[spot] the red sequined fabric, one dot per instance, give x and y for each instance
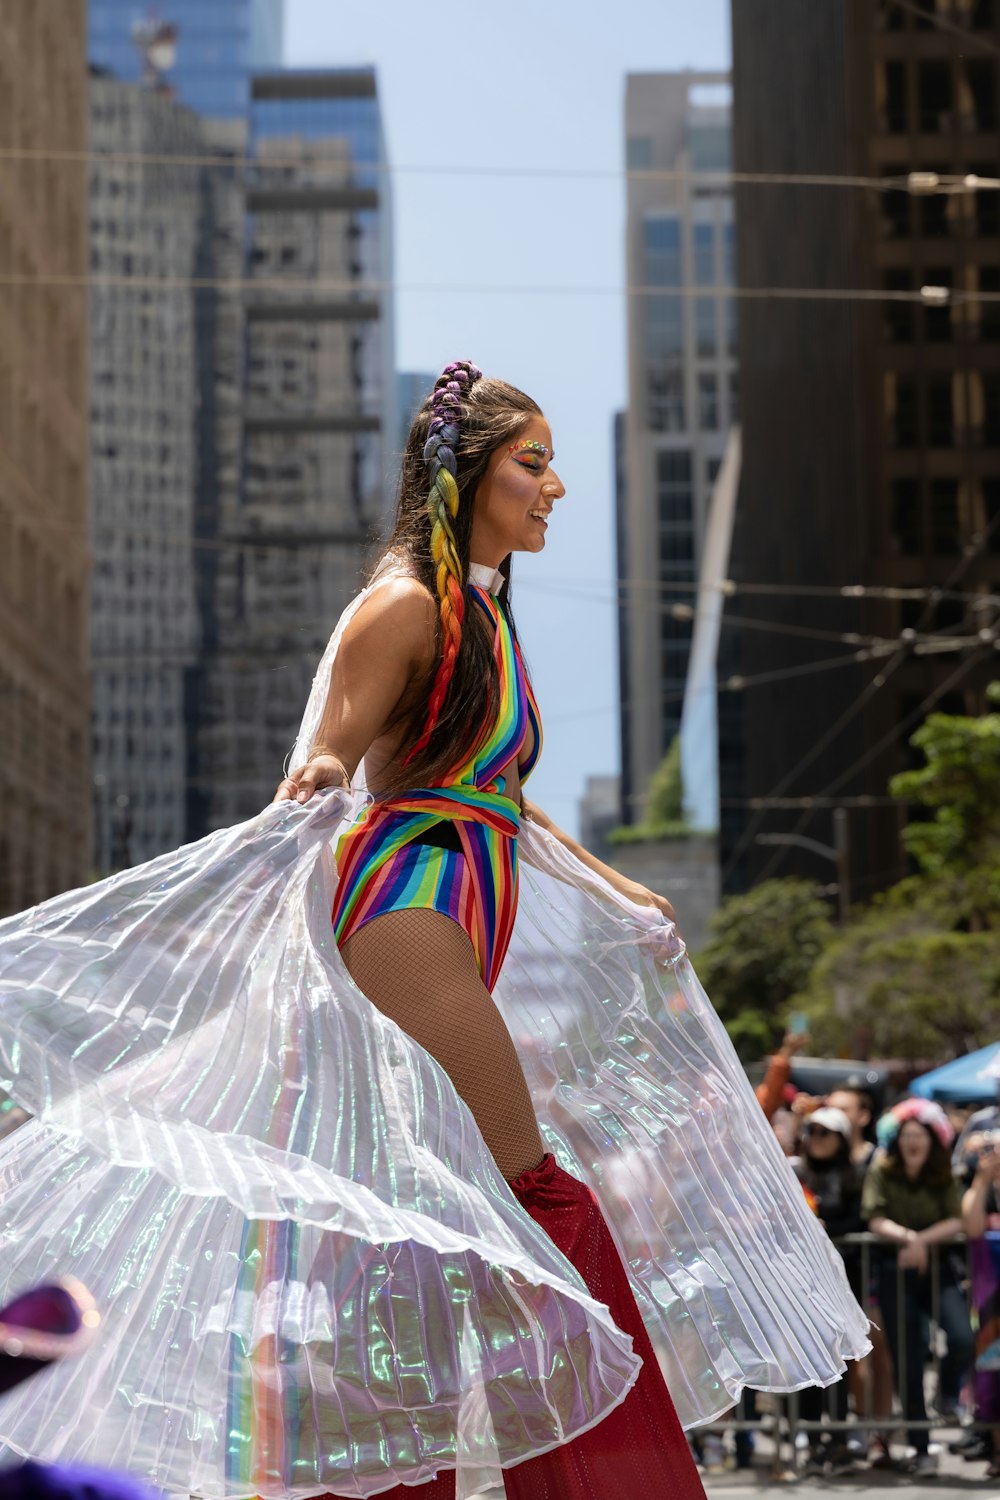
(639, 1451)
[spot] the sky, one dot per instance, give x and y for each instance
(505, 138)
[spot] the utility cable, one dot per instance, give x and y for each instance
(912, 718)
(348, 173)
(301, 289)
(868, 692)
(941, 23)
(925, 616)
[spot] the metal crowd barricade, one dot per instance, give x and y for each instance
(783, 1422)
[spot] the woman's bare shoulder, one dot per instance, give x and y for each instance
(399, 616)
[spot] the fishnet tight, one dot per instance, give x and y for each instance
(418, 967)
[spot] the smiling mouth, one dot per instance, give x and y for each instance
(540, 515)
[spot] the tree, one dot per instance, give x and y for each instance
(898, 984)
(959, 847)
(762, 950)
(664, 805)
(917, 973)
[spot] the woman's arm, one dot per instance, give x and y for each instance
(887, 1229)
(944, 1229)
(631, 889)
(975, 1196)
(974, 1207)
(387, 648)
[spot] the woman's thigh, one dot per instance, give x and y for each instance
(419, 968)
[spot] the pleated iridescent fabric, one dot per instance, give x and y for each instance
(313, 1278)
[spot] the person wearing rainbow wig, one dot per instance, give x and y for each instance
(393, 1130)
(912, 1202)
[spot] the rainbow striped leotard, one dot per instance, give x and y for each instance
(452, 847)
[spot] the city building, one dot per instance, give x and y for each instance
(44, 548)
(412, 389)
(217, 46)
(682, 395)
(871, 429)
(305, 427)
(147, 220)
(683, 869)
(284, 326)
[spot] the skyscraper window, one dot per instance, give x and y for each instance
(704, 255)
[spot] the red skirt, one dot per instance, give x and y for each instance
(639, 1451)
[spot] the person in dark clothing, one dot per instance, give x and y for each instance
(832, 1181)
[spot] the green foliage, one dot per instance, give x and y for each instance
(666, 788)
(897, 985)
(916, 974)
(960, 785)
(762, 949)
(665, 805)
(646, 833)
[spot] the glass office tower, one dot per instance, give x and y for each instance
(219, 45)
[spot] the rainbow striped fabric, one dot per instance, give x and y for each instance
(383, 866)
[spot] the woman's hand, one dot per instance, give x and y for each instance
(643, 897)
(913, 1256)
(987, 1168)
(322, 770)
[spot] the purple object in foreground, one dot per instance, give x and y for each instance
(31, 1481)
(44, 1324)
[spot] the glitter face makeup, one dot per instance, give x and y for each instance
(515, 498)
(529, 451)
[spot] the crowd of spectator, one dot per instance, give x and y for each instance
(925, 1185)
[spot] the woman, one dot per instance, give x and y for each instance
(318, 1182)
(981, 1222)
(911, 1201)
(428, 877)
(828, 1173)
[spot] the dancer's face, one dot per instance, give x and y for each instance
(514, 500)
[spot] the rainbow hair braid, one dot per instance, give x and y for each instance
(442, 507)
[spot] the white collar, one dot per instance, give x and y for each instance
(490, 579)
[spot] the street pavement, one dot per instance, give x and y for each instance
(954, 1478)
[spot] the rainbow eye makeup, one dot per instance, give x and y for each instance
(529, 453)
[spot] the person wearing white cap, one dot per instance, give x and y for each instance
(832, 1184)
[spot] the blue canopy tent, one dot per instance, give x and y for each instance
(966, 1080)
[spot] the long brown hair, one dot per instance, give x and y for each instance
(492, 413)
(936, 1170)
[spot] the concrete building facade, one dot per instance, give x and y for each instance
(682, 394)
(871, 430)
(44, 548)
(147, 220)
(685, 870)
(301, 500)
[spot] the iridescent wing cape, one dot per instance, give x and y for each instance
(312, 1276)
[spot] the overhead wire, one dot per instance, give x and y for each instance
(861, 701)
(732, 588)
(932, 643)
(892, 737)
(941, 23)
(882, 184)
(583, 590)
(351, 173)
(297, 291)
